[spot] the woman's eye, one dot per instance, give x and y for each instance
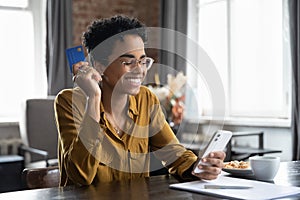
(128, 63)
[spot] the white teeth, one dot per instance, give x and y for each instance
(134, 80)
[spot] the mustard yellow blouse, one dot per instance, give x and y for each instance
(91, 151)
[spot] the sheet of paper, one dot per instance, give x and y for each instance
(258, 190)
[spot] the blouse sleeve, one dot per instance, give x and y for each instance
(166, 147)
(79, 138)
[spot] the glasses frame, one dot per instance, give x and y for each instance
(137, 62)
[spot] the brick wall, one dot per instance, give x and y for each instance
(147, 11)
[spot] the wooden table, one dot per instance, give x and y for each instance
(156, 187)
(288, 174)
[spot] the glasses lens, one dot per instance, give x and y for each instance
(144, 62)
(148, 62)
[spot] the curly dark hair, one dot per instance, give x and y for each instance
(102, 29)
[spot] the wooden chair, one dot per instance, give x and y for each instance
(34, 178)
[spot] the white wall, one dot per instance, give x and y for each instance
(279, 138)
(274, 138)
(9, 130)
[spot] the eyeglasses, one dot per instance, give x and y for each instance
(145, 62)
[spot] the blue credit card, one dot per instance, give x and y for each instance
(75, 55)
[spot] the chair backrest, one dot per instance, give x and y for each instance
(38, 128)
(41, 177)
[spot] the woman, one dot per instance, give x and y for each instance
(109, 124)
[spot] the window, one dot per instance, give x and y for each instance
(22, 49)
(248, 42)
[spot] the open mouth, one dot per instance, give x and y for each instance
(134, 81)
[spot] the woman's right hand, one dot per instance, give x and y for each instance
(87, 78)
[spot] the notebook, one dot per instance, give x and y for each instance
(256, 189)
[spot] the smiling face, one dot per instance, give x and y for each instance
(120, 76)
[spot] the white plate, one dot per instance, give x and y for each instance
(239, 172)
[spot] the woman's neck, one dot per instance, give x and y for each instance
(115, 106)
(114, 103)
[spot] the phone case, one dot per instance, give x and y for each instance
(74, 55)
(218, 142)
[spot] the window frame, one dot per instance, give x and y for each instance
(38, 11)
(230, 119)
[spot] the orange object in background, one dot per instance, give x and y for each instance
(178, 110)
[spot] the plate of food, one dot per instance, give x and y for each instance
(238, 168)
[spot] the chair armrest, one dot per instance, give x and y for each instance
(41, 177)
(23, 149)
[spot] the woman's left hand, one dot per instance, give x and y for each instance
(212, 167)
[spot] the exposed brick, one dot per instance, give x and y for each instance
(147, 11)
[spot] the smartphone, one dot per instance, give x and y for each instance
(75, 55)
(218, 142)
